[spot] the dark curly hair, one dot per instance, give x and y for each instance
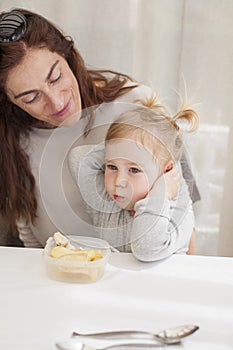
(17, 183)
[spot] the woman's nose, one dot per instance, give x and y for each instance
(56, 102)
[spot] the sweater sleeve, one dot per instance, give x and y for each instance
(86, 164)
(26, 235)
(162, 227)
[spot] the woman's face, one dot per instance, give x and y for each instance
(44, 86)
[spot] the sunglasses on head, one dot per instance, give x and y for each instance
(12, 27)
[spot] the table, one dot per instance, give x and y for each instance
(36, 311)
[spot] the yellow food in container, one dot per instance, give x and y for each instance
(76, 258)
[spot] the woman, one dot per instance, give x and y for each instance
(44, 84)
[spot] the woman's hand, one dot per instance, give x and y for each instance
(167, 185)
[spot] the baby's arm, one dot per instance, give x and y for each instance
(172, 182)
(161, 226)
(86, 167)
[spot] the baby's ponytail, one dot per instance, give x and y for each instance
(188, 114)
(150, 121)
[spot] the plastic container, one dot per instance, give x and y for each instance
(69, 269)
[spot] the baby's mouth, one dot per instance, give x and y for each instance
(118, 198)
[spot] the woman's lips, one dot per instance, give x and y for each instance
(63, 111)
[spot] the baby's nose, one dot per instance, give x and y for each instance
(121, 182)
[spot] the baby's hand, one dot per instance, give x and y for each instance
(172, 180)
(167, 185)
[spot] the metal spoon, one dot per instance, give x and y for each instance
(167, 336)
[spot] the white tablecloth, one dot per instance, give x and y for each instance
(36, 312)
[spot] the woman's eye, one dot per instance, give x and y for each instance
(135, 170)
(31, 100)
(111, 167)
(56, 78)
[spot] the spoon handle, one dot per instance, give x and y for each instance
(117, 335)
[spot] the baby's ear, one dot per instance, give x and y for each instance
(168, 166)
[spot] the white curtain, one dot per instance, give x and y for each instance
(177, 47)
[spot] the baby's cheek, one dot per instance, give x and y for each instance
(144, 187)
(152, 177)
(148, 182)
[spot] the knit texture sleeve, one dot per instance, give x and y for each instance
(162, 227)
(26, 235)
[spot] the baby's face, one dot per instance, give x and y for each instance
(130, 171)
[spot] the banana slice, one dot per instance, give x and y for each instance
(59, 251)
(85, 255)
(98, 255)
(60, 239)
(65, 250)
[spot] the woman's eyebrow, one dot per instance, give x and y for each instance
(51, 70)
(24, 93)
(47, 78)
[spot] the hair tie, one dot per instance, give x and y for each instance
(12, 27)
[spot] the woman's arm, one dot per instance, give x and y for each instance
(26, 235)
(189, 178)
(192, 244)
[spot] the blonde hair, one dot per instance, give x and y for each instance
(150, 124)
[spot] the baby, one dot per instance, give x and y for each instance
(133, 185)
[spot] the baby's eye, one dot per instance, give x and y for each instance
(111, 167)
(134, 170)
